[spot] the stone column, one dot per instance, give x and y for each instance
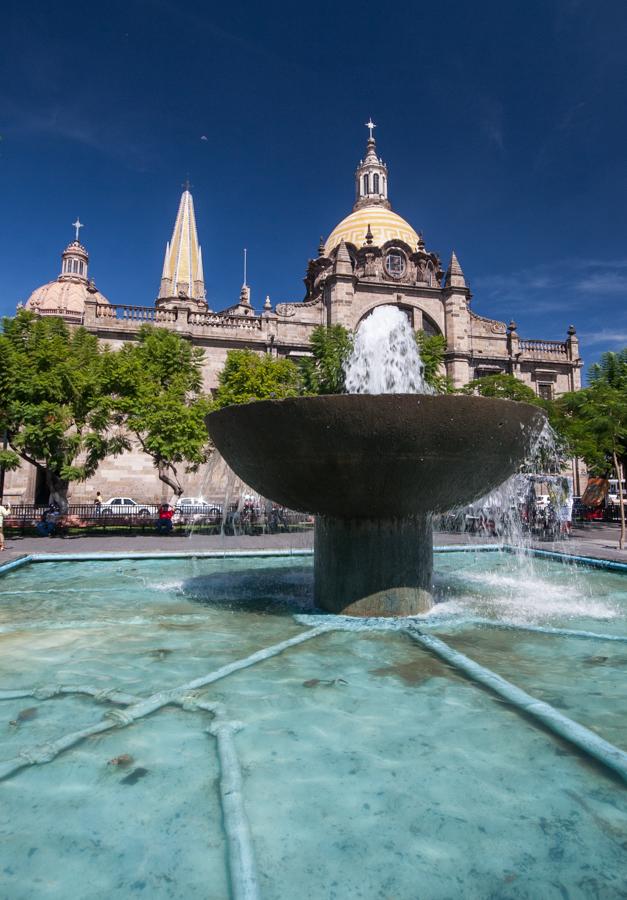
(373, 567)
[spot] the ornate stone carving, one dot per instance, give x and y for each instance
(285, 309)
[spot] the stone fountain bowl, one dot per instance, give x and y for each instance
(381, 455)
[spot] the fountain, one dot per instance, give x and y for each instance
(373, 465)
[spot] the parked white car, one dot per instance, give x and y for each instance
(197, 506)
(123, 506)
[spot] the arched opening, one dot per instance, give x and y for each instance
(376, 184)
(428, 326)
(366, 184)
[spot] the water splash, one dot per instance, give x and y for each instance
(385, 357)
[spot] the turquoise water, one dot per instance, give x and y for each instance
(370, 768)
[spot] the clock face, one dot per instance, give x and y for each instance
(395, 263)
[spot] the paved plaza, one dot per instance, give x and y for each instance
(596, 539)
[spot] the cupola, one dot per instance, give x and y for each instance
(371, 177)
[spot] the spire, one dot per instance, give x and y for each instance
(454, 274)
(371, 177)
(182, 274)
(343, 263)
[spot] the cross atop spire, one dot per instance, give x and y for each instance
(370, 125)
(78, 225)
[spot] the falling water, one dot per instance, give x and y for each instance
(385, 357)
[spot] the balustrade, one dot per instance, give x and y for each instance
(216, 320)
(532, 346)
(125, 313)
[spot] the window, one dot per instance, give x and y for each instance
(375, 188)
(545, 390)
(395, 263)
(366, 185)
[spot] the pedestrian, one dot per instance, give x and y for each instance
(4, 511)
(164, 522)
(98, 499)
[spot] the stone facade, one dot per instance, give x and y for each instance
(373, 257)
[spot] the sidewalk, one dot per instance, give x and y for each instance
(599, 540)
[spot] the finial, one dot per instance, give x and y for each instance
(572, 330)
(267, 304)
(245, 265)
(370, 125)
(78, 225)
(369, 235)
(321, 246)
(512, 327)
(421, 243)
(186, 184)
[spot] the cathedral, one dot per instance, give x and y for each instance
(373, 257)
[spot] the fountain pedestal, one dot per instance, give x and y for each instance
(373, 467)
(373, 567)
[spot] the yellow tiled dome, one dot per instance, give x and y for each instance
(384, 224)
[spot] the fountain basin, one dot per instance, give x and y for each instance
(382, 455)
(373, 468)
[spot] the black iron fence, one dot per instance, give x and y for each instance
(144, 519)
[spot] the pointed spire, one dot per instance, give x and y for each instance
(343, 262)
(454, 274)
(182, 267)
(321, 247)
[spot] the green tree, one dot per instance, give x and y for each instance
(324, 372)
(432, 348)
(507, 387)
(54, 404)
(594, 421)
(249, 376)
(611, 369)
(157, 389)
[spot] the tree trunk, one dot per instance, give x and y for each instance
(170, 477)
(58, 488)
(621, 500)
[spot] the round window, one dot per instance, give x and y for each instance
(395, 263)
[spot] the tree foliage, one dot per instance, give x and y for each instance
(507, 387)
(611, 369)
(432, 348)
(324, 372)
(248, 376)
(158, 399)
(594, 421)
(54, 403)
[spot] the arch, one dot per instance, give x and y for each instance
(366, 184)
(421, 321)
(429, 326)
(375, 183)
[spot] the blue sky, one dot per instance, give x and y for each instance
(503, 125)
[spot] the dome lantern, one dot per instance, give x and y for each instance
(371, 177)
